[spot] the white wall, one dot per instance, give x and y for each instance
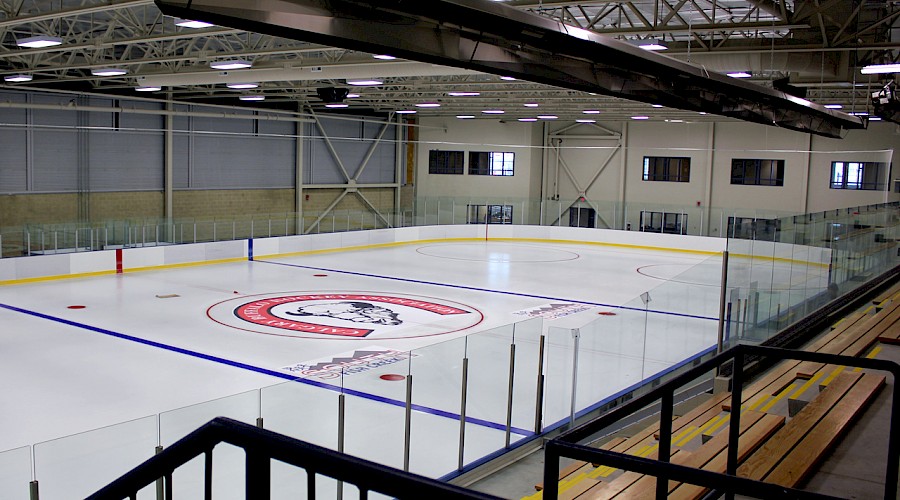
(451, 134)
(710, 145)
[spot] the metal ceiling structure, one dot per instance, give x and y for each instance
(819, 45)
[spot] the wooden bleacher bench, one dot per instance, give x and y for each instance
(886, 295)
(792, 452)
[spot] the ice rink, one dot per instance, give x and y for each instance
(156, 348)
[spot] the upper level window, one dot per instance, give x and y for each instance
(757, 172)
(445, 162)
(492, 163)
(858, 175)
(662, 168)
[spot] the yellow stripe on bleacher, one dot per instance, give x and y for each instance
(868, 309)
(778, 398)
(698, 431)
(837, 371)
(758, 402)
(807, 385)
(871, 355)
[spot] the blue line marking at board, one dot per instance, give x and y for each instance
(264, 371)
(487, 290)
(250, 249)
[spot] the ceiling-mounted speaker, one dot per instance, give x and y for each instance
(783, 84)
(332, 94)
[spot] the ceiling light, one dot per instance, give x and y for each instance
(428, 105)
(860, 113)
(190, 23)
(253, 97)
(384, 57)
(675, 121)
(508, 78)
(833, 106)
(527, 119)
(875, 69)
(652, 44)
(465, 117)
(406, 112)
(230, 64)
(531, 104)
(39, 41)
(17, 78)
(874, 118)
(739, 74)
(703, 112)
(591, 112)
(108, 71)
(463, 94)
(657, 105)
(352, 96)
(586, 121)
(247, 85)
(337, 105)
(362, 83)
(548, 117)
(493, 111)
(640, 117)
(148, 88)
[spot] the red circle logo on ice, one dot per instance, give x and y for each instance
(345, 315)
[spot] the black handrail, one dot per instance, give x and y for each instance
(261, 447)
(567, 443)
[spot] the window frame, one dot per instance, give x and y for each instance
(844, 178)
(758, 166)
(499, 163)
(447, 164)
(666, 172)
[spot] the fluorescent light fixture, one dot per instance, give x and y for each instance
(531, 104)
(640, 117)
(428, 105)
(874, 118)
(109, 71)
(17, 78)
(528, 119)
(833, 106)
(586, 121)
(147, 89)
(463, 94)
(230, 64)
(657, 105)
(247, 85)
(406, 112)
(190, 23)
(860, 113)
(739, 74)
(337, 105)
(363, 83)
(352, 96)
(547, 117)
(703, 112)
(675, 121)
(508, 78)
(465, 117)
(875, 69)
(591, 112)
(493, 111)
(384, 57)
(652, 44)
(253, 98)
(39, 41)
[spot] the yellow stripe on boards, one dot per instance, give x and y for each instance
(39, 279)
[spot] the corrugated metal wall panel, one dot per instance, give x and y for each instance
(56, 160)
(242, 162)
(126, 161)
(13, 166)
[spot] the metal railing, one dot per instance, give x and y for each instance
(261, 447)
(567, 444)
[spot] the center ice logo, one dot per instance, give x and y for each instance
(349, 315)
(357, 312)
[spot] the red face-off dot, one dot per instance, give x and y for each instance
(320, 275)
(606, 313)
(392, 377)
(76, 307)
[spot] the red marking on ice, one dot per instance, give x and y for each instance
(606, 313)
(320, 275)
(76, 307)
(392, 377)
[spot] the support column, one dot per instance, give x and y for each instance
(707, 195)
(298, 175)
(623, 173)
(398, 168)
(169, 169)
(805, 198)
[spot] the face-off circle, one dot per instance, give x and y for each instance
(345, 315)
